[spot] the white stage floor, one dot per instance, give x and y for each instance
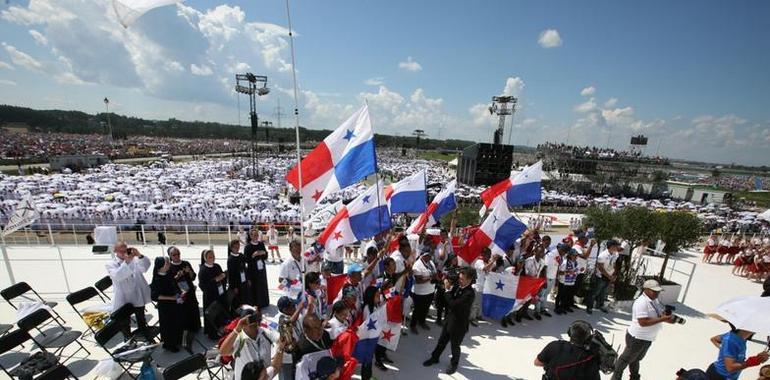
(489, 351)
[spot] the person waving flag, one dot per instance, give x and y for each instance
(342, 159)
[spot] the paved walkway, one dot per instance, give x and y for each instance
(489, 351)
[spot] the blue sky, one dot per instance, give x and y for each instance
(691, 75)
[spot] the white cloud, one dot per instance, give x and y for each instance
(611, 102)
(375, 81)
(201, 70)
(173, 66)
(549, 38)
(480, 114)
(68, 78)
(38, 37)
(587, 106)
(6, 82)
(21, 58)
(5, 65)
(38, 12)
(619, 116)
(513, 86)
(588, 91)
(410, 65)
(240, 67)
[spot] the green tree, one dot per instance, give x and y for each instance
(604, 221)
(678, 229)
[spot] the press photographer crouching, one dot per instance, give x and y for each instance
(647, 314)
(583, 357)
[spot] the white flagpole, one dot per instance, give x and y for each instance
(376, 172)
(296, 131)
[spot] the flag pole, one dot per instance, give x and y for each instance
(376, 172)
(296, 131)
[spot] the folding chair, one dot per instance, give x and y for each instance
(60, 372)
(107, 333)
(19, 289)
(10, 341)
(58, 340)
(103, 284)
(186, 366)
(80, 296)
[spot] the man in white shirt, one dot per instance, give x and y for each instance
(646, 316)
(403, 254)
(130, 286)
(292, 269)
(483, 264)
(249, 342)
(553, 260)
(604, 275)
(334, 259)
(534, 267)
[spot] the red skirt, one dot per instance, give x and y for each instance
(738, 262)
(273, 247)
(709, 250)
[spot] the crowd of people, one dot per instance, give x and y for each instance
(313, 315)
(595, 153)
(39, 147)
(749, 255)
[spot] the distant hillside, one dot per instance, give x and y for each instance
(81, 123)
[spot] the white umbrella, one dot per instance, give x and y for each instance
(747, 313)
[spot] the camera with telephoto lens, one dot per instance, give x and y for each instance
(669, 310)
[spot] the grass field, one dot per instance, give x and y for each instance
(432, 155)
(762, 199)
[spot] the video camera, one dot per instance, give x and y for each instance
(669, 310)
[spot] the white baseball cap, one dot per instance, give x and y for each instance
(652, 285)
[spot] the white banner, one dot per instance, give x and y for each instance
(24, 215)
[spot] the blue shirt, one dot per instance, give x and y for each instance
(733, 346)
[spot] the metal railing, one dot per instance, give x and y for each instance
(53, 234)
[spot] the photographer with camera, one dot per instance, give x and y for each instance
(571, 360)
(248, 342)
(647, 314)
(127, 275)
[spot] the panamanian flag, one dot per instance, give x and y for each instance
(520, 189)
(498, 232)
(362, 218)
(342, 159)
(408, 195)
(442, 204)
(504, 291)
(369, 332)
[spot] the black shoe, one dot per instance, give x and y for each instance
(379, 365)
(171, 349)
(386, 359)
(604, 310)
(569, 309)
(425, 326)
(504, 321)
(546, 313)
(517, 318)
(538, 317)
(474, 323)
(559, 311)
(527, 316)
(589, 311)
(413, 329)
(451, 369)
(429, 362)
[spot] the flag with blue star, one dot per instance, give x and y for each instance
(369, 333)
(505, 292)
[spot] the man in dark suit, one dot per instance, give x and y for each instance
(459, 299)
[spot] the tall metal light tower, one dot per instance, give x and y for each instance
(252, 85)
(418, 133)
(109, 123)
(502, 106)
